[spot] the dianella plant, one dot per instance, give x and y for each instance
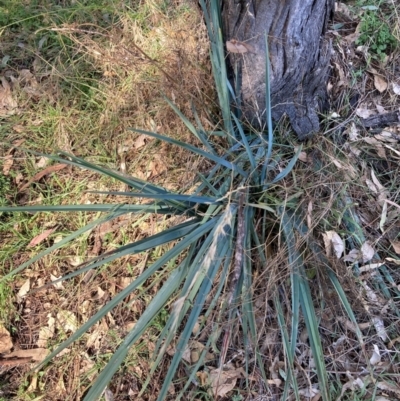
(220, 240)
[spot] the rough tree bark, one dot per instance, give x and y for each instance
(299, 58)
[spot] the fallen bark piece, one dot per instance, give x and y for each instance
(381, 120)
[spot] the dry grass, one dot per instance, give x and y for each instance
(104, 80)
(133, 62)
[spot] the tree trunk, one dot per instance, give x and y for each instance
(299, 58)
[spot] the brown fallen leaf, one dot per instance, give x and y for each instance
(310, 393)
(235, 46)
(140, 141)
(223, 381)
(274, 370)
(396, 246)
(8, 105)
(393, 342)
(67, 320)
(157, 167)
(203, 377)
(8, 162)
(16, 143)
(367, 252)
(376, 356)
(41, 237)
(87, 365)
(18, 178)
(58, 285)
(9, 158)
(46, 332)
(352, 37)
(303, 155)
(5, 340)
(379, 82)
(381, 109)
(98, 243)
(333, 244)
(396, 262)
(18, 128)
(35, 354)
(43, 173)
(171, 389)
(24, 290)
(343, 9)
(377, 146)
(43, 161)
(342, 76)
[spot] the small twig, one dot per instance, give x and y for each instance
(143, 263)
(392, 203)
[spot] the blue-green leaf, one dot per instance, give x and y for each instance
(194, 149)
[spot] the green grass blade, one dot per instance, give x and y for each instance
(198, 134)
(81, 163)
(60, 244)
(206, 185)
(212, 16)
(289, 167)
(194, 149)
(172, 253)
(247, 300)
(206, 284)
(146, 208)
(205, 273)
(263, 206)
(157, 303)
(201, 129)
(191, 199)
(130, 181)
(319, 253)
(290, 375)
(169, 330)
(245, 143)
(169, 235)
(294, 262)
(306, 305)
(314, 337)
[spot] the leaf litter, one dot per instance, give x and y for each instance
(220, 381)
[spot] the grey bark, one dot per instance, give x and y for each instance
(299, 58)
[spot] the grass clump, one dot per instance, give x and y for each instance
(236, 286)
